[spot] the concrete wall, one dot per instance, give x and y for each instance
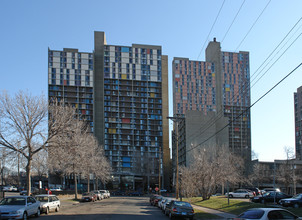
(200, 133)
(165, 114)
(98, 84)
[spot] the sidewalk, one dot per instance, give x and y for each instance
(223, 215)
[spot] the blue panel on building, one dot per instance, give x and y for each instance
(126, 164)
(125, 49)
(126, 159)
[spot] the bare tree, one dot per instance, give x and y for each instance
(96, 162)
(25, 128)
(188, 189)
(258, 174)
(15, 162)
(39, 164)
(211, 168)
(286, 172)
(101, 168)
(77, 152)
(3, 165)
(255, 155)
(68, 151)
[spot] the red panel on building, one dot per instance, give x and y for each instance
(125, 120)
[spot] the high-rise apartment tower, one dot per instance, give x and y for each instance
(214, 98)
(123, 93)
(298, 122)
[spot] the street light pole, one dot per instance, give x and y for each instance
(176, 119)
(159, 169)
(177, 186)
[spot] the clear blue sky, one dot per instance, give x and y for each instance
(28, 28)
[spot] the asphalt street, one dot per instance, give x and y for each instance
(114, 208)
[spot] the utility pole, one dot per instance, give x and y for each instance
(18, 169)
(159, 169)
(176, 119)
(274, 181)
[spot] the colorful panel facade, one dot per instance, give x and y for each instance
(70, 78)
(133, 108)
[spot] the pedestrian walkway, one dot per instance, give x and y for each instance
(223, 215)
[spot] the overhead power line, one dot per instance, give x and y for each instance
(253, 25)
(233, 21)
(221, 111)
(246, 85)
(275, 49)
(278, 58)
(211, 29)
(200, 144)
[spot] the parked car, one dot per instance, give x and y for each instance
(155, 200)
(10, 189)
(99, 195)
(48, 203)
(240, 193)
(88, 197)
(56, 189)
(272, 189)
(19, 207)
(165, 203)
(161, 202)
(270, 197)
(33, 191)
(295, 201)
(106, 193)
(255, 190)
(152, 197)
(179, 209)
(267, 213)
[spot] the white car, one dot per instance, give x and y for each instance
(106, 193)
(267, 213)
(48, 203)
(240, 193)
(99, 195)
(56, 189)
(10, 189)
(19, 207)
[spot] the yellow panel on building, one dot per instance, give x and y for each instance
(112, 131)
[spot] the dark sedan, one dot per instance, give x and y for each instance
(295, 201)
(270, 197)
(179, 209)
(155, 199)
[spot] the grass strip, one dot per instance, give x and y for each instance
(236, 206)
